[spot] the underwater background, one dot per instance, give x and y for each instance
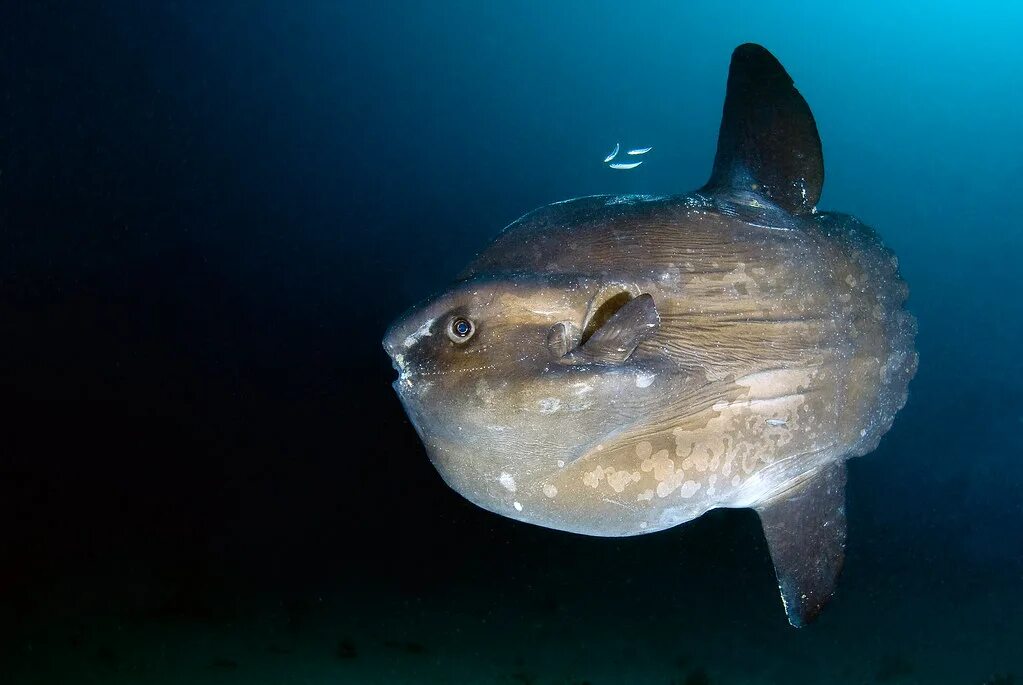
(210, 211)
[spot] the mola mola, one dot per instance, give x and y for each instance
(618, 365)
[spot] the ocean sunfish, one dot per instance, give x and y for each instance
(620, 365)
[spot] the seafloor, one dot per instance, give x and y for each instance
(557, 622)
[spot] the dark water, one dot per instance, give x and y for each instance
(210, 211)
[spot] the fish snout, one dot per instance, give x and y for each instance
(391, 339)
(392, 344)
(411, 327)
(402, 336)
(394, 341)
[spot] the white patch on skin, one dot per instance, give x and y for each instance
(593, 478)
(618, 480)
(775, 383)
(642, 524)
(421, 332)
(518, 507)
(643, 380)
(507, 481)
(667, 476)
(776, 422)
(561, 463)
(582, 388)
(550, 490)
(665, 488)
(549, 405)
(689, 488)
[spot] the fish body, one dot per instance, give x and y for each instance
(639, 151)
(614, 153)
(625, 165)
(618, 365)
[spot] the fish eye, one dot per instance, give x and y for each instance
(461, 329)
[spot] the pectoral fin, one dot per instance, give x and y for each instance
(805, 530)
(617, 338)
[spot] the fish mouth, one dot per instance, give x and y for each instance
(397, 358)
(397, 368)
(404, 382)
(402, 379)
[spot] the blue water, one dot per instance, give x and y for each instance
(209, 212)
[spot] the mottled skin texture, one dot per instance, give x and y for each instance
(781, 349)
(619, 365)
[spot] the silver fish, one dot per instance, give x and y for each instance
(614, 153)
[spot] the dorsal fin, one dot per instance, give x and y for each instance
(768, 143)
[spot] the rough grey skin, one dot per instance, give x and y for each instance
(618, 365)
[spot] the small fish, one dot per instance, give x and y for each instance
(614, 153)
(776, 422)
(625, 166)
(639, 151)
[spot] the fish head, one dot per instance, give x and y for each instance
(510, 379)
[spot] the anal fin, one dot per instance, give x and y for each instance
(805, 530)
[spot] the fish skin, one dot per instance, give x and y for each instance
(614, 153)
(765, 310)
